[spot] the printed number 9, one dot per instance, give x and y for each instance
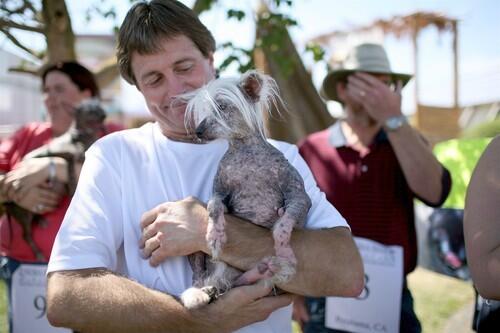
(366, 292)
(40, 304)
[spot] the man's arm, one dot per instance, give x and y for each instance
(422, 170)
(328, 260)
(96, 300)
(482, 223)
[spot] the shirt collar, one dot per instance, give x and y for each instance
(337, 138)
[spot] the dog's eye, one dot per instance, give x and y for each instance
(222, 106)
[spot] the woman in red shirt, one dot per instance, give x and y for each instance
(26, 182)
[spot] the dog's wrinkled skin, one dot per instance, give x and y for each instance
(89, 126)
(254, 181)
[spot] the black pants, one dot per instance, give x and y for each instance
(486, 316)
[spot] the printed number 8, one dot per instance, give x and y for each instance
(40, 304)
(366, 292)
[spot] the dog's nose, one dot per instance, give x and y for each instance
(200, 129)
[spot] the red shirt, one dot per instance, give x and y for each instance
(12, 150)
(370, 191)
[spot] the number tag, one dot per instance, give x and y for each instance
(28, 300)
(378, 308)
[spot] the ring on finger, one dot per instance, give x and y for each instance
(16, 185)
(39, 207)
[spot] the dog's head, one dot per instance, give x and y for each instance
(231, 108)
(89, 122)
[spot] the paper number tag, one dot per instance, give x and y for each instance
(378, 308)
(29, 305)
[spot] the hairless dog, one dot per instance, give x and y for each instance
(254, 181)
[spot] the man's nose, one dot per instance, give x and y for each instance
(176, 86)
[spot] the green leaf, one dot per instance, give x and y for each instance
(238, 14)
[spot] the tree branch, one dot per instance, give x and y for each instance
(11, 24)
(17, 43)
(26, 5)
(24, 70)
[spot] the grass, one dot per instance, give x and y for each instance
(3, 307)
(437, 298)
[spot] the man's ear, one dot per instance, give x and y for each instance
(251, 85)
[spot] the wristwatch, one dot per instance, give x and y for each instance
(394, 123)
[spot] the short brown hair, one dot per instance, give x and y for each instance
(147, 24)
(78, 74)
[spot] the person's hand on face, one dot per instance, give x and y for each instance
(375, 96)
(173, 229)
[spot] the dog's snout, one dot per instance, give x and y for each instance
(200, 129)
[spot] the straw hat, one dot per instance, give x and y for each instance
(370, 58)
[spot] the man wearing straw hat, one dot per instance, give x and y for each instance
(372, 164)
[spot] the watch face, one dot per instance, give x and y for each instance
(395, 122)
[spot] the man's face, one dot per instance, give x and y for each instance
(178, 68)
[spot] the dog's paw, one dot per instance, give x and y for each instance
(193, 298)
(281, 270)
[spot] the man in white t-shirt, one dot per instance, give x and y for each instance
(119, 260)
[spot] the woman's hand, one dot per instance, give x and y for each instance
(40, 199)
(27, 186)
(26, 176)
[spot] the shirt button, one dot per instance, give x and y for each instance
(364, 168)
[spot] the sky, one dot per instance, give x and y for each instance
(479, 42)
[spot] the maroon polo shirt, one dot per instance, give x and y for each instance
(370, 191)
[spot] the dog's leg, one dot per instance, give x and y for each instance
(279, 268)
(282, 232)
(216, 235)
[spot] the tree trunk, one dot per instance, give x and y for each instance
(58, 32)
(306, 112)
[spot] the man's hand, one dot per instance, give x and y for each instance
(377, 99)
(173, 229)
(245, 305)
(300, 313)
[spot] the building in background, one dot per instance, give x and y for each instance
(21, 94)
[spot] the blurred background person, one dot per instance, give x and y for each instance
(27, 183)
(482, 237)
(371, 165)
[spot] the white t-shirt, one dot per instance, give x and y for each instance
(130, 172)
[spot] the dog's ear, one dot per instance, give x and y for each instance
(251, 84)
